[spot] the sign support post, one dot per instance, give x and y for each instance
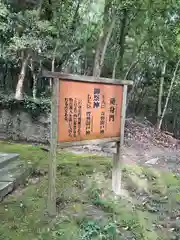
(117, 157)
(94, 115)
(51, 202)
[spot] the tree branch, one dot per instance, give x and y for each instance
(67, 55)
(74, 21)
(169, 93)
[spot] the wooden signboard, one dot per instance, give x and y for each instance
(86, 109)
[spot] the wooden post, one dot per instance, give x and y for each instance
(123, 116)
(116, 171)
(51, 201)
(117, 158)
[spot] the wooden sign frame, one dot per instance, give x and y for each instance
(55, 99)
(116, 172)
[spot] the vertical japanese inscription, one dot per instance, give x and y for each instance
(72, 115)
(89, 101)
(102, 122)
(89, 117)
(79, 116)
(88, 123)
(75, 117)
(66, 109)
(96, 98)
(70, 129)
(103, 104)
(112, 109)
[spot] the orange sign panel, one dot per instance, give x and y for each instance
(88, 110)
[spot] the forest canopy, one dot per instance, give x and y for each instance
(137, 40)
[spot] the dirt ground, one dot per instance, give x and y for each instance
(143, 145)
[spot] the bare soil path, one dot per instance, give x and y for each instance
(143, 145)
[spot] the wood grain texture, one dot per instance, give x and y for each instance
(59, 75)
(117, 158)
(51, 201)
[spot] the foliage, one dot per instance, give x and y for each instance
(64, 36)
(93, 229)
(42, 105)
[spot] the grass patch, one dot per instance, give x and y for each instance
(87, 209)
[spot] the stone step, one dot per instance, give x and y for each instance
(6, 158)
(11, 171)
(5, 188)
(11, 176)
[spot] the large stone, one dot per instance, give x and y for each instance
(22, 126)
(5, 188)
(12, 173)
(6, 158)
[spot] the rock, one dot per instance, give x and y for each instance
(22, 127)
(109, 145)
(152, 161)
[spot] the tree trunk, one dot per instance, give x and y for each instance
(53, 64)
(101, 49)
(40, 7)
(134, 62)
(121, 42)
(35, 78)
(138, 106)
(159, 111)
(34, 89)
(131, 93)
(52, 70)
(168, 96)
(103, 39)
(34, 86)
(132, 66)
(122, 38)
(115, 64)
(174, 122)
(19, 87)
